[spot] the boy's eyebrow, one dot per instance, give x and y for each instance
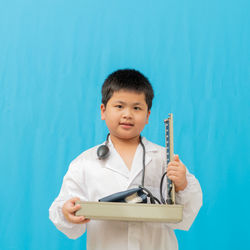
(136, 103)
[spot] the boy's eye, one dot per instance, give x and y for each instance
(137, 108)
(118, 106)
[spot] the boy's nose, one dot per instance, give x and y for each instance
(127, 113)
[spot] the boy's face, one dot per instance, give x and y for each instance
(125, 114)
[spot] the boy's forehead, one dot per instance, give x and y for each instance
(128, 95)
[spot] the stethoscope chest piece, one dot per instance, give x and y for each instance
(103, 152)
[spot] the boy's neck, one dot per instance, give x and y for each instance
(120, 142)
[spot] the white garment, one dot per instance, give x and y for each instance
(91, 179)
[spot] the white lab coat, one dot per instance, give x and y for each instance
(91, 179)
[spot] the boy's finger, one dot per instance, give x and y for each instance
(172, 171)
(76, 219)
(173, 174)
(74, 208)
(176, 158)
(74, 200)
(173, 163)
(86, 220)
(172, 167)
(79, 219)
(172, 178)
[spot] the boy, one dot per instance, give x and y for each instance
(126, 103)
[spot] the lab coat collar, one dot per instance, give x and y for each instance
(149, 146)
(115, 163)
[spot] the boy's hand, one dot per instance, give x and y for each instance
(69, 208)
(176, 172)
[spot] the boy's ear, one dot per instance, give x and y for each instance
(149, 112)
(103, 111)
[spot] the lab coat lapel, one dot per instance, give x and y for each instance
(115, 162)
(137, 165)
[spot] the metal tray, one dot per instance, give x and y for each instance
(130, 212)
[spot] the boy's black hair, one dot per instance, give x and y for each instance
(127, 79)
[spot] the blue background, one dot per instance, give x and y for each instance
(54, 56)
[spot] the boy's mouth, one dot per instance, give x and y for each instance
(126, 125)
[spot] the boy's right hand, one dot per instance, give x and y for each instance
(69, 208)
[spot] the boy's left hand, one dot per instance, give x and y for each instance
(176, 172)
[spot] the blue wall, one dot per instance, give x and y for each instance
(54, 56)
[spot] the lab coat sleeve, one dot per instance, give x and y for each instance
(73, 186)
(191, 198)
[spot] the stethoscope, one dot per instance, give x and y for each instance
(103, 152)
